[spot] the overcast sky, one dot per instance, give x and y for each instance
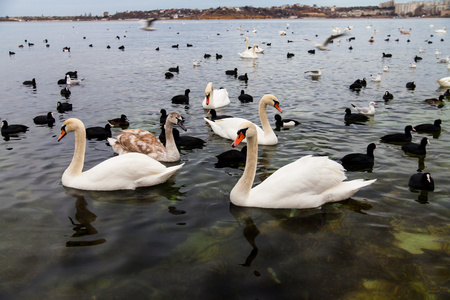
(14, 8)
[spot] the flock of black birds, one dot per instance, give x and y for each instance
(365, 161)
(353, 162)
(97, 132)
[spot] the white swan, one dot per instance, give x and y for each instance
(335, 30)
(305, 183)
(443, 30)
(366, 110)
(257, 49)
(444, 82)
(142, 141)
(249, 54)
(323, 47)
(124, 172)
(228, 127)
(215, 98)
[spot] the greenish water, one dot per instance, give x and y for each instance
(183, 239)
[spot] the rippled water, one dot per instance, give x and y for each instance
(183, 239)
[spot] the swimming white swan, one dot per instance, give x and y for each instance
(323, 46)
(335, 30)
(444, 82)
(257, 49)
(305, 183)
(142, 141)
(215, 98)
(124, 172)
(249, 54)
(227, 128)
(443, 30)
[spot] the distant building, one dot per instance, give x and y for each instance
(418, 8)
(387, 4)
(105, 14)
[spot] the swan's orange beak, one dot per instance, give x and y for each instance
(63, 133)
(277, 106)
(239, 138)
(207, 99)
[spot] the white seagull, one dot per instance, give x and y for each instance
(366, 110)
(323, 46)
(148, 24)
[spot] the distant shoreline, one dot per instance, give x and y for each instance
(217, 19)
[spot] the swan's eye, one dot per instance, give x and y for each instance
(63, 128)
(242, 131)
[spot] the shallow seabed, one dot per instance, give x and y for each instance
(183, 239)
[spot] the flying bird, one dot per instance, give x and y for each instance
(323, 46)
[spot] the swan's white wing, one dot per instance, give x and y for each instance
(228, 128)
(126, 171)
(305, 183)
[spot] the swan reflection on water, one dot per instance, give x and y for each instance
(298, 222)
(138, 197)
(84, 228)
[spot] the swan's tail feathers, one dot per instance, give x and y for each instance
(112, 141)
(162, 177)
(208, 121)
(116, 146)
(346, 189)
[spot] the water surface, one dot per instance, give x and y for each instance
(183, 239)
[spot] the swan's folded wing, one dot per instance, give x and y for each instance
(126, 171)
(300, 184)
(226, 128)
(142, 141)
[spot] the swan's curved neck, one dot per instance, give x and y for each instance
(211, 96)
(246, 44)
(241, 191)
(264, 120)
(170, 141)
(76, 166)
